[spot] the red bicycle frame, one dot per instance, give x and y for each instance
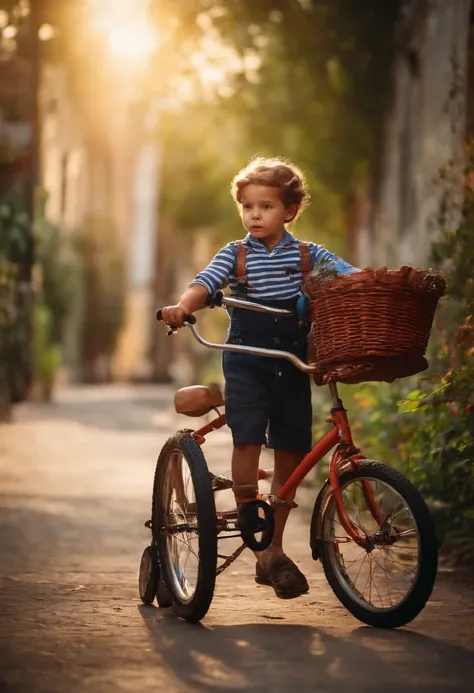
(345, 453)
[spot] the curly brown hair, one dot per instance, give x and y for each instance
(276, 173)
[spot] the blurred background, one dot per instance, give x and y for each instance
(122, 123)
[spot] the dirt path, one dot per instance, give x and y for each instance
(75, 485)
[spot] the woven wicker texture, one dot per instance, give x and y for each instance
(372, 325)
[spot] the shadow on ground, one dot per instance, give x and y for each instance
(281, 658)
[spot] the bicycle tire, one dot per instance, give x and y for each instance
(193, 609)
(148, 576)
(163, 598)
(421, 590)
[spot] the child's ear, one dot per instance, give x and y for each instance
(291, 212)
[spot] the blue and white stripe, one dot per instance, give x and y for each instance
(266, 275)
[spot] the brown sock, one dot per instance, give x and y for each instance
(245, 494)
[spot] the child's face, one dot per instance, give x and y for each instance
(263, 213)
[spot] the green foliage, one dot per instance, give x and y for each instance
(15, 298)
(101, 258)
(317, 95)
(441, 450)
(425, 425)
(196, 193)
(57, 280)
(427, 433)
(14, 232)
(59, 276)
(441, 463)
(322, 86)
(46, 354)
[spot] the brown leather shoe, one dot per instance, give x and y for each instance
(284, 576)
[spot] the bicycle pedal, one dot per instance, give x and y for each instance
(221, 482)
(274, 500)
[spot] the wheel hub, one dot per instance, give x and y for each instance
(383, 536)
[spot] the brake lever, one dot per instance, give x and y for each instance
(190, 320)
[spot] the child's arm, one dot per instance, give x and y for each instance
(216, 274)
(321, 256)
(193, 299)
(214, 277)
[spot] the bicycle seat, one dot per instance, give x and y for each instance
(197, 400)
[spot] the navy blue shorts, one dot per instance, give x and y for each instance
(267, 400)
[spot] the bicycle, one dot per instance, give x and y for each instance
(367, 517)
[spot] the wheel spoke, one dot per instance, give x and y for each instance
(177, 497)
(406, 533)
(361, 566)
(394, 560)
(362, 555)
(386, 577)
(384, 555)
(382, 577)
(380, 597)
(355, 523)
(370, 578)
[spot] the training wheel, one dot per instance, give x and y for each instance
(149, 575)
(150, 581)
(256, 517)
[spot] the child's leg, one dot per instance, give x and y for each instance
(274, 567)
(289, 436)
(285, 464)
(245, 471)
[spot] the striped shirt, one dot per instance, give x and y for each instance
(266, 274)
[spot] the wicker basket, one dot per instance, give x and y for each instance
(372, 325)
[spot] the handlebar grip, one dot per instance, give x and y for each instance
(189, 318)
(213, 300)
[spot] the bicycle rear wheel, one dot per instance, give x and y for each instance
(387, 585)
(184, 526)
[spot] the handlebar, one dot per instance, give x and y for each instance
(191, 319)
(256, 351)
(219, 299)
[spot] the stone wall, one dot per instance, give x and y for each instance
(419, 187)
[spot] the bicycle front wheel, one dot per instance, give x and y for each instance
(184, 526)
(387, 584)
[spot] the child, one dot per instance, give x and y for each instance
(264, 393)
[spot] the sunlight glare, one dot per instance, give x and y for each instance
(135, 41)
(46, 32)
(128, 33)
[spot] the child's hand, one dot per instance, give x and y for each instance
(174, 315)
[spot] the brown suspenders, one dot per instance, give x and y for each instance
(241, 264)
(241, 269)
(305, 258)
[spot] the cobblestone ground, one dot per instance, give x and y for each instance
(75, 487)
